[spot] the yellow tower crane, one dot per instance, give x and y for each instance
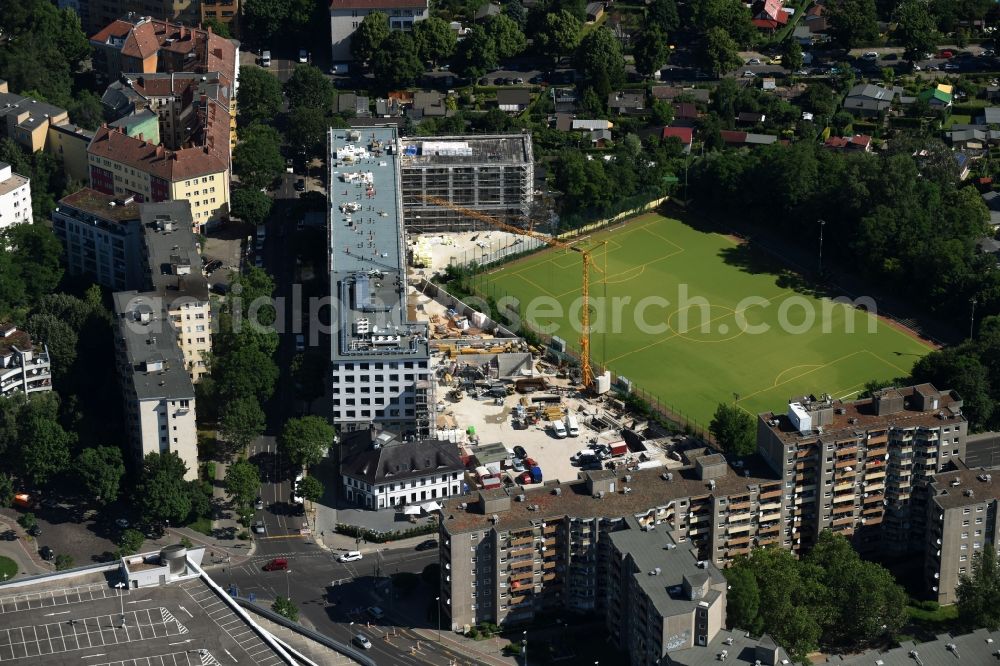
(587, 374)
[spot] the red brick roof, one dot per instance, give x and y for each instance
(685, 134)
(729, 136)
(170, 165)
(117, 28)
(141, 42)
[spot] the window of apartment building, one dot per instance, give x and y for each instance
(963, 558)
(965, 523)
(966, 511)
(979, 520)
(978, 533)
(965, 535)
(964, 546)
(979, 509)
(976, 546)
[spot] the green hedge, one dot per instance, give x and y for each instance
(383, 537)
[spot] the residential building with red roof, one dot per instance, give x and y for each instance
(768, 14)
(347, 15)
(188, 78)
(684, 134)
(858, 142)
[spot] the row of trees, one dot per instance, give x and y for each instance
(830, 598)
(894, 219)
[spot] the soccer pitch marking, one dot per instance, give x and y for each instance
(91, 632)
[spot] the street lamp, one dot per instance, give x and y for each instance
(524, 647)
(288, 591)
(438, 600)
(121, 585)
(822, 223)
(972, 319)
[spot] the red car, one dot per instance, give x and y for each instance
(524, 479)
(277, 564)
(947, 54)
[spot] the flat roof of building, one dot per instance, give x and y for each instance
(174, 260)
(740, 648)
(367, 261)
(156, 361)
(485, 149)
(105, 206)
(663, 566)
(964, 486)
(15, 181)
(648, 490)
(978, 647)
(78, 619)
(983, 450)
(859, 416)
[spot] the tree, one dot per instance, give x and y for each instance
(162, 495)
(435, 39)
(853, 22)
(284, 607)
(662, 112)
(733, 430)
(101, 471)
(59, 337)
(6, 490)
(307, 86)
(477, 52)
(651, 51)
(368, 38)
(507, 37)
(915, 28)
(743, 600)
(558, 34)
(130, 542)
(731, 16)
(63, 562)
(978, 592)
(251, 206)
(961, 370)
(45, 450)
(720, 54)
(257, 158)
(219, 28)
(600, 58)
(516, 11)
(310, 488)
(307, 127)
(241, 421)
(27, 521)
(663, 15)
(243, 487)
(85, 110)
(37, 257)
(259, 96)
(396, 63)
(265, 17)
(245, 372)
(305, 440)
(793, 55)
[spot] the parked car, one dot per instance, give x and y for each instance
(749, 75)
(259, 504)
(518, 465)
(47, 553)
(300, 185)
(35, 530)
(303, 56)
(122, 523)
(258, 527)
(946, 54)
(754, 61)
(277, 564)
(300, 342)
(265, 59)
(430, 544)
(376, 613)
(520, 452)
(213, 266)
(871, 55)
(350, 556)
(362, 642)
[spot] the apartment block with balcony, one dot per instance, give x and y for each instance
(347, 15)
(861, 468)
(102, 238)
(962, 519)
(157, 390)
(15, 197)
(25, 365)
(549, 546)
(226, 12)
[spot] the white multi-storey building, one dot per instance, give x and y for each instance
(15, 197)
(379, 470)
(158, 393)
(379, 359)
(24, 366)
(347, 15)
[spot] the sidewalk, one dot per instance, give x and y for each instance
(468, 647)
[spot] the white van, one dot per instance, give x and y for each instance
(572, 427)
(558, 429)
(265, 59)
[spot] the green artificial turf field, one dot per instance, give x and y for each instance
(704, 352)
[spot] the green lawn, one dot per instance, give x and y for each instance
(8, 568)
(719, 350)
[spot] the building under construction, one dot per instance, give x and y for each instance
(490, 174)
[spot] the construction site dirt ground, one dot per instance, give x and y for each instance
(493, 424)
(462, 247)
